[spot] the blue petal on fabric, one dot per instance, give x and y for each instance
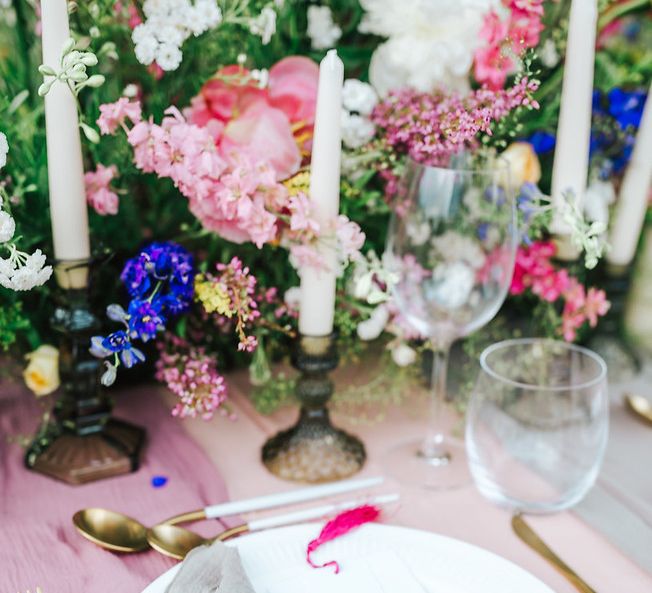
(159, 481)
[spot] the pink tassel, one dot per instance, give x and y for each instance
(341, 525)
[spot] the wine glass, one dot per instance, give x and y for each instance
(451, 246)
(537, 424)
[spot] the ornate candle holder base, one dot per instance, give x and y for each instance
(313, 450)
(82, 443)
(610, 340)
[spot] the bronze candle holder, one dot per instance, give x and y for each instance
(313, 450)
(82, 443)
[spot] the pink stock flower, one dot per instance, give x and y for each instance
(596, 305)
(301, 219)
(307, 256)
(535, 271)
(113, 115)
(98, 191)
(350, 237)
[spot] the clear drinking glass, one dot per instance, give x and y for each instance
(537, 424)
(451, 243)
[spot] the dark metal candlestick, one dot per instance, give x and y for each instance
(610, 340)
(82, 443)
(313, 450)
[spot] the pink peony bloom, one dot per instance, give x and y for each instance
(263, 133)
(98, 191)
(293, 88)
(273, 124)
(113, 115)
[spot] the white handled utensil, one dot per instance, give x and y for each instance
(176, 542)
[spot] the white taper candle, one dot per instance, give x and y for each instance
(65, 168)
(317, 304)
(571, 162)
(629, 213)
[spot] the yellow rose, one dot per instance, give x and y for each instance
(42, 372)
(523, 164)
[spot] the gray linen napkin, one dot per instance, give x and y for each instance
(211, 569)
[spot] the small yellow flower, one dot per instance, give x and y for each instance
(42, 372)
(212, 296)
(299, 183)
(523, 164)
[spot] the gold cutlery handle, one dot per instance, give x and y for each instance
(188, 517)
(527, 535)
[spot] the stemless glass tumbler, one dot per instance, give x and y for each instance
(537, 424)
(451, 244)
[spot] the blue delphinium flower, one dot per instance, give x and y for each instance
(145, 318)
(542, 142)
(626, 107)
(160, 282)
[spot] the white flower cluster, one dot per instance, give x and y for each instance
(19, 271)
(168, 23)
(428, 43)
(358, 101)
(322, 30)
(264, 25)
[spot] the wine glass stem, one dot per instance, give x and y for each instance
(433, 447)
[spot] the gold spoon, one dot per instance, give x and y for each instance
(176, 542)
(641, 406)
(121, 533)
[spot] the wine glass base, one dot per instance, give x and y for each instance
(407, 464)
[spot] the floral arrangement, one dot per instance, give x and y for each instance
(215, 101)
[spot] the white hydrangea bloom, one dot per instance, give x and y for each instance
(168, 24)
(4, 150)
(168, 56)
(264, 25)
(359, 96)
(428, 43)
(22, 272)
(322, 30)
(7, 227)
(356, 130)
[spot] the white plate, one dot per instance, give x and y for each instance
(373, 559)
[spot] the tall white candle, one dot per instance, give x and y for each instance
(629, 213)
(317, 304)
(65, 168)
(571, 163)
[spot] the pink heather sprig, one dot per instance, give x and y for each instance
(193, 377)
(535, 271)
(238, 285)
(431, 127)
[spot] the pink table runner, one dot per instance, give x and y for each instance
(463, 514)
(40, 546)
